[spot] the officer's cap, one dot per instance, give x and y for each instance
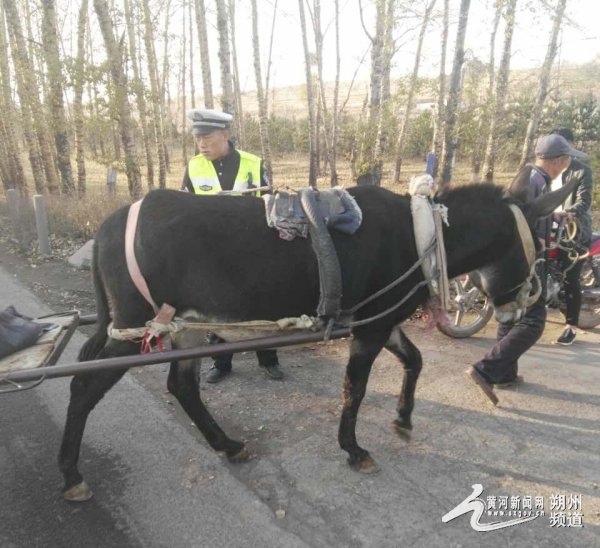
(205, 121)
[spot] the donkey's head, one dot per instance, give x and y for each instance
(511, 280)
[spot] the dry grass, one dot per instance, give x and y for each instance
(78, 218)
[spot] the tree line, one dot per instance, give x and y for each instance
(119, 94)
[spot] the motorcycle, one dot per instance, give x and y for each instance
(471, 311)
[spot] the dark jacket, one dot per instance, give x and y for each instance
(580, 202)
(529, 183)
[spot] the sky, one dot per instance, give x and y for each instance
(579, 40)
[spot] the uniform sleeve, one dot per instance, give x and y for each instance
(585, 189)
(186, 183)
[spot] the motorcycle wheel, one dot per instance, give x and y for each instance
(469, 311)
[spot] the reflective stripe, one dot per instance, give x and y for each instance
(204, 178)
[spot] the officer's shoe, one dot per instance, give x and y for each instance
(273, 372)
(217, 375)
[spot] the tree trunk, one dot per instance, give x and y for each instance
(323, 109)
(438, 127)
(155, 95)
(336, 95)
(451, 138)
(40, 158)
(122, 108)
(370, 163)
(312, 125)
(209, 101)
(262, 105)
(138, 89)
(183, 70)
(227, 101)
(411, 94)
(78, 98)
(500, 93)
(542, 92)
(55, 98)
(192, 84)
(237, 91)
(268, 76)
(484, 109)
(14, 168)
(166, 122)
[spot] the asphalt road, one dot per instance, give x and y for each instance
(157, 483)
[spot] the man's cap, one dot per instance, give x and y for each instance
(205, 121)
(553, 146)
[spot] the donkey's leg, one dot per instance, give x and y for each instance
(183, 384)
(401, 346)
(364, 348)
(87, 390)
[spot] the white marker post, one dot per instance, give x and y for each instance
(41, 222)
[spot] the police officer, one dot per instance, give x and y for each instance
(219, 168)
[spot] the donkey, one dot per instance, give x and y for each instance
(216, 256)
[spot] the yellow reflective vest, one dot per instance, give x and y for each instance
(204, 177)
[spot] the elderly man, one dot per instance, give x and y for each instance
(219, 168)
(499, 367)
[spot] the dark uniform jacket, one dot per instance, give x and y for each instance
(580, 201)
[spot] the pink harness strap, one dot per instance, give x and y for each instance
(132, 264)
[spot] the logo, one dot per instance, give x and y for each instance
(477, 507)
(565, 510)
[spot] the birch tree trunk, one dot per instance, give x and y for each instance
(438, 127)
(192, 83)
(227, 101)
(370, 164)
(336, 95)
(542, 92)
(122, 108)
(138, 89)
(489, 162)
(451, 137)
(237, 91)
(78, 97)
(209, 101)
(262, 105)
(14, 168)
(323, 109)
(155, 95)
(484, 109)
(183, 70)
(412, 88)
(55, 98)
(40, 153)
(312, 125)
(166, 122)
(268, 76)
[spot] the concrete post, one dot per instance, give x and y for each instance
(12, 200)
(41, 222)
(111, 181)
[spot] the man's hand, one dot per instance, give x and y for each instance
(558, 216)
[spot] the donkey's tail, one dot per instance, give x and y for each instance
(96, 342)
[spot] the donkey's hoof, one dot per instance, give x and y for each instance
(366, 465)
(403, 430)
(78, 493)
(241, 456)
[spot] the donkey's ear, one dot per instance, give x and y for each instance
(547, 203)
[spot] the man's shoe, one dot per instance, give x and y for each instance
(273, 372)
(567, 338)
(217, 375)
(509, 384)
(483, 385)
